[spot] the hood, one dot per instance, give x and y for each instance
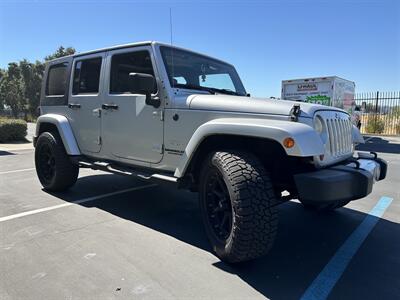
(253, 105)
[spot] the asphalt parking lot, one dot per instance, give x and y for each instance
(114, 237)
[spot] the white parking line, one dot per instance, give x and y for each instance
(322, 286)
(40, 210)
(16, 171)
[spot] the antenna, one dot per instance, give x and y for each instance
(170, 23)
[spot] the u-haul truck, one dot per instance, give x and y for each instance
(331, 91)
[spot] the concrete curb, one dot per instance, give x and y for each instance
(16, 147)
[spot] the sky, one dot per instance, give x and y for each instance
(267, 41)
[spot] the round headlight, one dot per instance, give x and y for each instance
(318, 125)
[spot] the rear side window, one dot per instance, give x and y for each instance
(87, 76)
(123, 64)
(57, 80)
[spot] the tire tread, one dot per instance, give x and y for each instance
(256, 219)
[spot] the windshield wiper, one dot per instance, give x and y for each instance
(208, 89)
(226, 91)
(195, 87)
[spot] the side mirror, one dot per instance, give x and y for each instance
(141, 83)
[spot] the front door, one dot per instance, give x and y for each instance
(85, 98)
(130, 129)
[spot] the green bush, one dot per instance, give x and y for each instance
(30, 118)
(374, 125)
(397, 128)
(12, 130)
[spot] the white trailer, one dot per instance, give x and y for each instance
(330, 91)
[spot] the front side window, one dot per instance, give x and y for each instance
(57, 80)
(87, 76)
(124, 64)
(194, 71)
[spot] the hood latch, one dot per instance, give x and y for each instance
(295, 112)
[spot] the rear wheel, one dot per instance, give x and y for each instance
(236, 200)
(53, 166)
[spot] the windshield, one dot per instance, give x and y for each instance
(193, 71)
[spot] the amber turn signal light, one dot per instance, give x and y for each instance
(288, 142)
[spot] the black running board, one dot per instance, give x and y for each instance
(116, 169)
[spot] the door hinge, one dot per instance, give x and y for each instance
(162, 115)
(97, 112)
(159, 113)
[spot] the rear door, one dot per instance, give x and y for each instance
(85, 98)
(132, 130)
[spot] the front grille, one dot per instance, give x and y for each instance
(339, 134)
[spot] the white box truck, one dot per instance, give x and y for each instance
(331, 91)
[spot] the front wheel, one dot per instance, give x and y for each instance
(55, 170)
(237, 203)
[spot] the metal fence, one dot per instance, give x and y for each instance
(380, 112)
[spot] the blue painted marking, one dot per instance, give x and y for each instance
(326, 280)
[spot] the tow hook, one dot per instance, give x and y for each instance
(355, 161)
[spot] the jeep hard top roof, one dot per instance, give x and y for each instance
(136, 44)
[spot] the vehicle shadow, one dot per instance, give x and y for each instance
(3, 153)
(305, 242)
(379, 144)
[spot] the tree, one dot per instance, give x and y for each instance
(2, 73)
(12, 89)
(32, 75)
(60, 52)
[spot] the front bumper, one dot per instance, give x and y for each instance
(348, 181)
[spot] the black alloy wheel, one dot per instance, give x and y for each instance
(55, 170)
(219, 207)
(47, 163)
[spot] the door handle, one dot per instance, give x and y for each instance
(109, 106)
(74, 105)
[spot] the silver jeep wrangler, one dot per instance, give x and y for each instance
(168, 114)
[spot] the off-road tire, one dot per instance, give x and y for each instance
(64, 173)
(252, 199)
(326, 207)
